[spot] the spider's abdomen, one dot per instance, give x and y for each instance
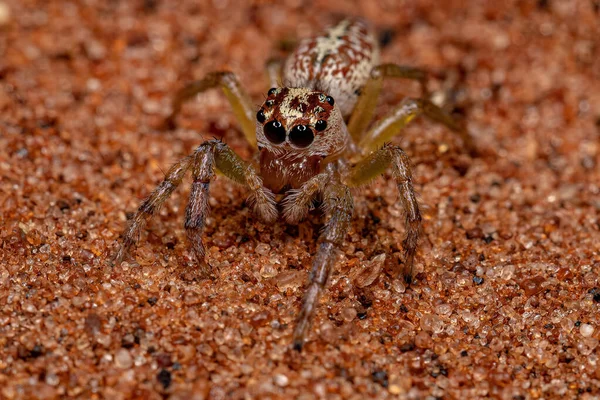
(339, 62)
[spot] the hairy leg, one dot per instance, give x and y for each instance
(273, 68)
(197, 209)
(374, 165)
(239, 100)
(338, 204)
(208, 156)
(151, 205)
(389, 126)
(260, 199)
(297, 204)
(365, 106)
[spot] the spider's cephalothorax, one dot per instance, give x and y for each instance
(313, 139)
(298, 131)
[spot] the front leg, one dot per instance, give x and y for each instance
(337, 202)
(374, 165)
(235, 93)
(197, 208)
(208, 156)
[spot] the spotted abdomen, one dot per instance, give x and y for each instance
(338, 62)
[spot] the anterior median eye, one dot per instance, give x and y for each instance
(301, 136)
(275, 132)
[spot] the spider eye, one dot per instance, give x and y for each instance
(272, 91)
(301, 136)
(330, 100)
(260, 116)
(321, 125)
(275, 132)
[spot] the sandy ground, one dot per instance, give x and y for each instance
(507, 296)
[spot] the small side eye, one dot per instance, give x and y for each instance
(301, 136)
(275, 132)
(330, 100)
(321, 125)
(272, 91)
(260, 116)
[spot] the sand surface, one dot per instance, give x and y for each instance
(506, 302)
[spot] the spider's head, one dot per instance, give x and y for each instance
(302, 122)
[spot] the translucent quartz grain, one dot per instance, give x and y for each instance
(123, 359)
(280, 380)
(348, 314)
(586, 330)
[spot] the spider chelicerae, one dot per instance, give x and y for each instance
(313, 138)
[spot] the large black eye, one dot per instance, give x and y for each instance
(260, 116)
(321, 125)
(301, 136)
(275, 132)
(330, 100)
(272, 91)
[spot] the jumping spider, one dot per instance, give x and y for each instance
(312, 139)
